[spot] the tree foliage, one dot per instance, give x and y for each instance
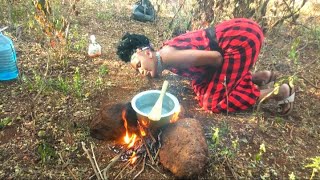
(269, 13)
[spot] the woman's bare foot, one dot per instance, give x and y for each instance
(285, 97)
(262, 78)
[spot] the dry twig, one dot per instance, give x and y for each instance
(156, 170)
(148, 151)
(66, 165)
(112, 162)
(135, 166)
(95, 161)
(91, 161)
(142, 169)
(313, 85)
(125, 167)
(159, 140)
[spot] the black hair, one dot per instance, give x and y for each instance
(129, 43)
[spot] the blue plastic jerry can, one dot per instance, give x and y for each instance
(8, 59)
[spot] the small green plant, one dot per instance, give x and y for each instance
(46, 152)
(5, 122)
(62, 85)
(262, 150)
(103, 70)
(77, 83)
(80, 42)
(39, 81)
(292, 176)
(65, 62)
(279, 120)
(25, 80)
(215, 136)
(36, 83)
(235, 144)
(227, 152)
(223, 144)
(315, 165)
(99, 82)
(294, 54)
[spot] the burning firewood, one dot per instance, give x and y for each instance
(138, 146)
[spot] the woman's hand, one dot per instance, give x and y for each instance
(145, 62)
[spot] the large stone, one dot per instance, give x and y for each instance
(108, 124)
(184, 148)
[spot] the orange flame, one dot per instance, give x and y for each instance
(132, 140)
(144, 122)
(142, 131)
(133, 158)
(126, 137)
(175, 116)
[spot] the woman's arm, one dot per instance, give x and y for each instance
(188, 58)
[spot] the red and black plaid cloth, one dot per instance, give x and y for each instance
(240, 41)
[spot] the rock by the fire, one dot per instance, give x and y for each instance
(184, 148)
(108, 124)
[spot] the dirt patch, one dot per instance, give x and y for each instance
(7, 134)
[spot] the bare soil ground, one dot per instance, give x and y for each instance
(49, 120)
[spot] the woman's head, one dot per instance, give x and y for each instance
(129, 43)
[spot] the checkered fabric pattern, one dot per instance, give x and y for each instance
(229, 87)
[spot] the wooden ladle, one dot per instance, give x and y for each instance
(156, 111)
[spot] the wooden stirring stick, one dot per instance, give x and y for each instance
(156, 111)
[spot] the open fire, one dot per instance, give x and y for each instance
(142, 143)
(140, 147)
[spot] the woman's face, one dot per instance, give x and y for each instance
(143, 62)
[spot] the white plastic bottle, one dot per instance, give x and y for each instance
(94, 48)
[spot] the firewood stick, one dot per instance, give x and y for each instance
(91, 161)
(125, 167)
(159, 136)
(66, 165)
(156, 170)
(142, 169)
(95, 161)
(159, 140)
(112, 162)
(148, 152)
(135, 166)
(156, 156)
(153, 139)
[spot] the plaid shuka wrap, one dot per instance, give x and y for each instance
(231, 85)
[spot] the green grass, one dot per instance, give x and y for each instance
(5, 122)
(314, 165)
(46, 152)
